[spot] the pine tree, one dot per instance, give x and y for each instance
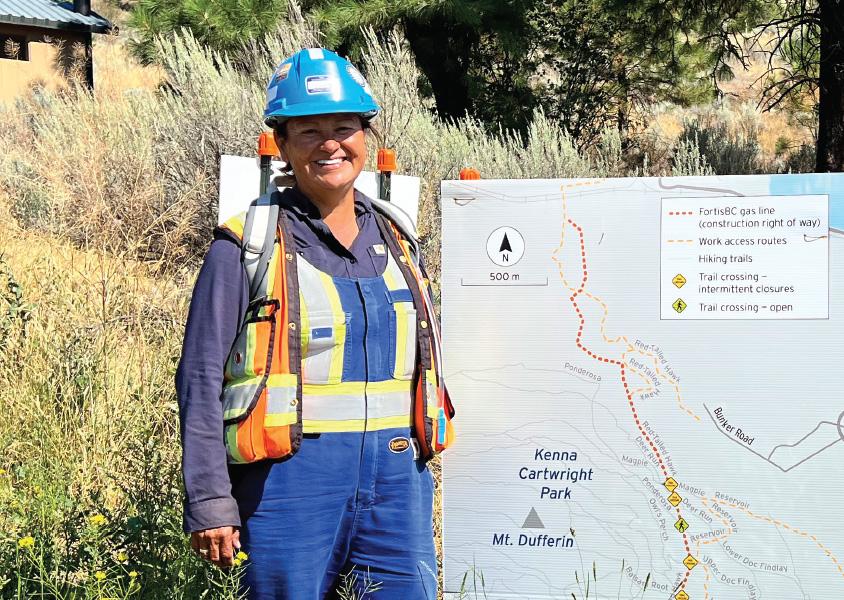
(223, 25)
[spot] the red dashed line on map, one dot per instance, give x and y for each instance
(680, 213)
(622, 366)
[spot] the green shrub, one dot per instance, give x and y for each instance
(725, 152)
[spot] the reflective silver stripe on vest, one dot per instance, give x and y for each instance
(356, 400)
(403, 320)
(281, 396)
(321, 312)
(236, 398)
(281, 400)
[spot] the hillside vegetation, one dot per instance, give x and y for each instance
(107, 201)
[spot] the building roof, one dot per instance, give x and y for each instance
(50, 14)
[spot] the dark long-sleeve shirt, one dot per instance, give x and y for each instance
(219, 301)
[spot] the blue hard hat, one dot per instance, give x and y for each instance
(316, 81)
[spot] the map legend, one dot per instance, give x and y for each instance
(745, 258)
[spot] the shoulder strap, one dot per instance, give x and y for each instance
(401, 220)
(258, 240)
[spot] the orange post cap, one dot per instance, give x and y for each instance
(386, 160)
(469, 173)
(267, 145)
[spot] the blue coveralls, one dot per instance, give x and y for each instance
(353, 500)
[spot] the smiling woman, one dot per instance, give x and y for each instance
(327, 153)
(323, 390)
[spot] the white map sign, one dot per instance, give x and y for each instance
(649, 382)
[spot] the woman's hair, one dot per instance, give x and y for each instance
(281, 131)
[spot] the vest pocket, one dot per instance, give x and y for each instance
(403, 340)
(323, 347)
(265, 432)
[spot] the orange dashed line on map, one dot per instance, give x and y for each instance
(718, 516)
(787, 527)
(715, 540)
(605, 311)
(706, 582)
(644, 390)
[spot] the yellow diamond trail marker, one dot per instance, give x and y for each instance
(679, 305)
(671, 484)
(681, 525)
(690, 562)
(674, 498)
(679, 281)
(682, 595)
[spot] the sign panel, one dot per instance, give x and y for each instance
(647, 374)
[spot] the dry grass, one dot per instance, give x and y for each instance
(118, 73)
(105, 308)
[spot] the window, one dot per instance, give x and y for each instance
(13, 47)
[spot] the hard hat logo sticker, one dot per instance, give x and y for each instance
(282, 72)
(399, 444)
(321, 84)
(505, 246)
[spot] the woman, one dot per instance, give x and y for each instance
(319, 385)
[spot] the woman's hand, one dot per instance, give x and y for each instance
(218, 545)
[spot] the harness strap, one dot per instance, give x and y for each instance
(258, 240)
(401, 221)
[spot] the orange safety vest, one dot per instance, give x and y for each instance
(263, 383)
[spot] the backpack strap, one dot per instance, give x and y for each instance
(402, 221)
(258, 241)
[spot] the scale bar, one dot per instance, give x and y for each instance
(464, 283)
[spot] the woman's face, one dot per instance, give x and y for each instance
(327, 152)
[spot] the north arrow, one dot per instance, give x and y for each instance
(505, 245)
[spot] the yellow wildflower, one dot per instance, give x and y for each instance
(26, 542)
(97, 520)
(37, 490)
(2, 471)
(133, 574)
(99, 575)
(241, 556)
(122, 557)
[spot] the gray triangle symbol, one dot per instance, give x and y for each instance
(533, 521)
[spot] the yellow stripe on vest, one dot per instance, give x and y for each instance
(271, 271)
(231, 444)
(355, 388)
(235, 224)
(249, 360)
(376, 424)
(279, 420)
